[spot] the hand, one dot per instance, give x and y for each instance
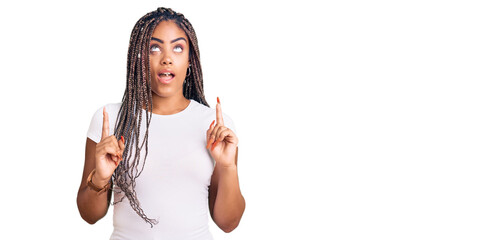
(108, 154)
(222, 140)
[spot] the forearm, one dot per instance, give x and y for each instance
(93, 207)
(229, 203)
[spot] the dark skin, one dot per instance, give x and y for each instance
(169, 51)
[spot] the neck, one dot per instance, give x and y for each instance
(168, 105)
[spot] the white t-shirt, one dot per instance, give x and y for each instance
(173, 187)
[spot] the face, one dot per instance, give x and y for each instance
(169, 59)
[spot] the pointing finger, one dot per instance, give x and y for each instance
(220, 119)
(105, 130)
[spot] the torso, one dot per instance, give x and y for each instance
(173, 187)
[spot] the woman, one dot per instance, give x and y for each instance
(165, 164)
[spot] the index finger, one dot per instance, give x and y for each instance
(220, 119)
(104, 131)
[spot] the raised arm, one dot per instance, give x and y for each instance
(103, 157)
(225, 200)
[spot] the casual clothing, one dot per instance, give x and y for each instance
(173, 187)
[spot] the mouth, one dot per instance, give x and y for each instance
(165, 76)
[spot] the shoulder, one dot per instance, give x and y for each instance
(199, 107)
(111, 109)
(97, 119)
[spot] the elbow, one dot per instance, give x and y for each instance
(227, 228)
(230, 221)
(85, 214)
(228, 225)
(87, 217)
(90, 221)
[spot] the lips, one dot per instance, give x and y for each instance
(165, 76)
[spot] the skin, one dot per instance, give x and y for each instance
(168, 98)
(168, 50)
(226, 202)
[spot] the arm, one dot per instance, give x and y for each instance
(92, 207)
(225, 200)
(103, 157)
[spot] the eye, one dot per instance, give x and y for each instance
(155, 48)
(178, 49)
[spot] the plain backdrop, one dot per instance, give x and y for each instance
(356, 119)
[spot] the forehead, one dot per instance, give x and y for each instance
(167, 30)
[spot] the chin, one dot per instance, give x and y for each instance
(165, 93)
(166, 90)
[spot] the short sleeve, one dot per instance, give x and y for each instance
(95, 127)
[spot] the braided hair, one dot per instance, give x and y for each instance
(138, 95)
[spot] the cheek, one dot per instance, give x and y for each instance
(183, 58)
(152, 66)
(151, 63)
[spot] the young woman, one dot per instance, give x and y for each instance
(163, 152)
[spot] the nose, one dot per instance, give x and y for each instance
(167, 60)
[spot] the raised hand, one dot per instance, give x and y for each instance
(221, 140)
(108, 154)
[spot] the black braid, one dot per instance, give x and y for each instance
(138, 95)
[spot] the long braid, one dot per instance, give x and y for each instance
(138, 96)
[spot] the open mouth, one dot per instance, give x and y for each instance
(165, 76)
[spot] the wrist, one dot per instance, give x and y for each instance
(99, 183)
(226, 167)
(97, 186)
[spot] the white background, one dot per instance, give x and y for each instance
(356, 119)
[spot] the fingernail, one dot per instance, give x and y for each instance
(218, 100)
(122, 139)
(212, 124)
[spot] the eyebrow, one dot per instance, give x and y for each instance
(172, 41)
(180, 38)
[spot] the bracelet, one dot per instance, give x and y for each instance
(91, 185)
